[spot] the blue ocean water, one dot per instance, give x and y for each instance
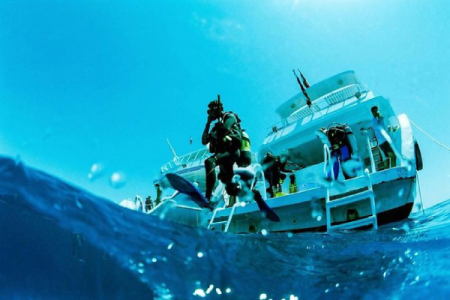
(60, 242)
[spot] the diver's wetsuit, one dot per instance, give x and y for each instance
(225, 143)
(273, 171)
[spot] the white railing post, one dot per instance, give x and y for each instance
(326, 161)
(369, 149)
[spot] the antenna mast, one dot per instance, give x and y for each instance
(173, 151)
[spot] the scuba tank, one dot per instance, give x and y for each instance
(337, 134)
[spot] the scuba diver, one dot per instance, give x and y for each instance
(343, 149)
(225, 142)
(273, 168)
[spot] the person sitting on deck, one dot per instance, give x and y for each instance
(378, 124)
(343, 149)
(225, 142)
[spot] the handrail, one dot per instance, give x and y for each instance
(327, 159)
(258, 169)
(189, 157)
(320, 103)
(369, 149)
(165, 199)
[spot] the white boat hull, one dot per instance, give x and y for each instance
(394, 190)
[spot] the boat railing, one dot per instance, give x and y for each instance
(185, 159)
(327, 164)
(351, 91)
(369, 148)
(191, 157)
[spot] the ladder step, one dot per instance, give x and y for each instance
(350, 199)
(355, 224)
(218, 223)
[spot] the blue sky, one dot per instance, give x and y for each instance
(107, 81)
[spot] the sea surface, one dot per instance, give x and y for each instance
(61, 242)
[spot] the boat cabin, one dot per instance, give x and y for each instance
(339, 99)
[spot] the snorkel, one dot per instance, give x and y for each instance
(215, 110)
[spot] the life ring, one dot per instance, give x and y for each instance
(418, 154)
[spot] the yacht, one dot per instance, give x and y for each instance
(379, 191)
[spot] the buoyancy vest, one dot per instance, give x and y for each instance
(223, 139)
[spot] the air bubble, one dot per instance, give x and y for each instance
(117, 180)
(199, 292)
(264, 232)
(210, 288)
(95, 172)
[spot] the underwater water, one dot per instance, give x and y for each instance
(60, 242)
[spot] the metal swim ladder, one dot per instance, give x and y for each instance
(216, 210)
(258, 169)
(373, 148)
(228, 221)
(340, 201)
